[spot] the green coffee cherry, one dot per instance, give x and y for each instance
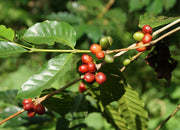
(110, 40)
(126, 62)
(109, 59)
(138, 36)
(104, 43)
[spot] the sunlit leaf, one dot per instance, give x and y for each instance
(55, 69)
(6, 33)
(10, 49)
(155, 21)
(49, 32)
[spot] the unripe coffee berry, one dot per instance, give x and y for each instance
(100, 77)
(126, 62)
(104, 43)
(83, 68)
(27, 101)
(147, 29)
(86, 58)
(39, 109)
(108, 59)
(138, 36)
(110, 40)
(82, 87)
(31, 113)
(89, 77)
(100, 55)
(142, 48)
(91, 67)
(147, 38)
(28, 106)
(95, 48)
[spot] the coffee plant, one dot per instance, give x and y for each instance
(87, 88)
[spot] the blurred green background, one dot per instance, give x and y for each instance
(91, 22)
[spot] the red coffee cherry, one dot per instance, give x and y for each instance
(82, 87)
(142, 48)
(86, 58)
(83, 68)
(89, 77)
(27, 101)
(147, 38)
(31, 113)
(147, 29)
(91, 67)
(28, 106)
(95, 48)
(100, 55)
(100, 77)
(39, 109)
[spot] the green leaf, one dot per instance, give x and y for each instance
(95, 121)
(93, 32)
(64, 103)
(169, 3)
(137, 4)
(155, 21)
(65, 17)
(9, 49)
(55, 69)
(49, 32)
(112, 89)
(155, 8)
(17, 120)
(6, 33)
(129, 112)
(8, 96)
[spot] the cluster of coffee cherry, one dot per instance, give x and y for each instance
(32, 109)
(88, 68)
(143, 37)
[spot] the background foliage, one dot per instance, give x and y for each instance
(90, 23)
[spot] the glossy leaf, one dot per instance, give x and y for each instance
(54, 69)
(155, 21)
(6, 33)
(10, 49)
(49, 32)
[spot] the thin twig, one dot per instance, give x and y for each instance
(39, 100)
(132, 59)
(147, 44)
(12, 116)
(107, 7)
(171, 115)
(165, 27)
(165, 35)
